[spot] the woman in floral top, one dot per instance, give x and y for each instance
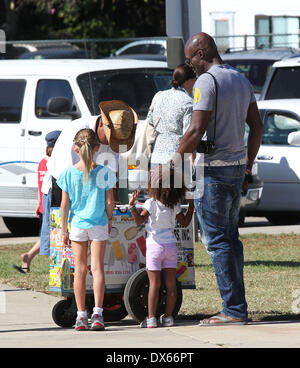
(173, 108)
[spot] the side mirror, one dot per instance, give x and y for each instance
(60, 106)
(294, 139)
(175, 52)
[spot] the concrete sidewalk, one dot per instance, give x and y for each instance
(26, 321)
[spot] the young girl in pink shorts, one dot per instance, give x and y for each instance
(160, 213)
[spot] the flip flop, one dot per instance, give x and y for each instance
(221, 321)
(21, 269)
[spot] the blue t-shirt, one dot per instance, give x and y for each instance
(87, 199)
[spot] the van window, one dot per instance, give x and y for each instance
(135, 87)
(284, 84)
(278, 126)
(48, 88)
(11, 100)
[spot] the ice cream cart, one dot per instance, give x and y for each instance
(125, 274)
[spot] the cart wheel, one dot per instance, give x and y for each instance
(64, 313)
(136, 296)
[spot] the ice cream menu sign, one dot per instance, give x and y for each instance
(125, 253)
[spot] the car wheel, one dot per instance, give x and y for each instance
(22, 226)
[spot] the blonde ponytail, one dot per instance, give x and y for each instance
(86, 140)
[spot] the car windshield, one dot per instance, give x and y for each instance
(255, 71)
(284, 84)
(136, 87)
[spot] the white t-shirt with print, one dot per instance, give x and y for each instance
(161, 222)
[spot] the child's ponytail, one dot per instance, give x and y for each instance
(86, 140)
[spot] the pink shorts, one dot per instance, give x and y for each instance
(160, 256)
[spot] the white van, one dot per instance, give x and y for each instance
(26, 89)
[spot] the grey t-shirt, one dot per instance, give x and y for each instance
(235, 93)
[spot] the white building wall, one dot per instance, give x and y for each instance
(241, 14)
(244, 12)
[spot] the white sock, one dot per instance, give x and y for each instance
(98, 310)
(82, 314)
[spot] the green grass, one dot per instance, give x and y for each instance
(272, 274)
(37, 279)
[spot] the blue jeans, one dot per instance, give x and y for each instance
(45, 229)
(218, 214)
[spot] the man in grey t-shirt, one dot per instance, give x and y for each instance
(225, 168)
(235, 93)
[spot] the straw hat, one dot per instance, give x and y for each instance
(119, 123)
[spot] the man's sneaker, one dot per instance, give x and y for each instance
(81, 324)
(166, 321)
(149, 322)
(97, 322)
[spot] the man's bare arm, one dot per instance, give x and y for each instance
(255, 135)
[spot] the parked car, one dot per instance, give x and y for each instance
(283, 81)
(256, 64)
(145, 46)
(26, 89)
(69, 53)
(278, 162)
(157, 57)
(16, 49)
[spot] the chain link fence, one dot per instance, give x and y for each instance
(83, 48)
(105, 47)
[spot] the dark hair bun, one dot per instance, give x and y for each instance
(181, 74)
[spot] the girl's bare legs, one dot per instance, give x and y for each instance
(153, 295)
(170, 281)
(97, 269)
(80, 260)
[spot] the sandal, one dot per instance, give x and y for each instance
(21, 269)
(221, 320)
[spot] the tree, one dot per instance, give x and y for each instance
(54, 19)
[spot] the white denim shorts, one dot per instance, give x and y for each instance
(98, 233)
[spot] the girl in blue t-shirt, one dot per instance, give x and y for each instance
(87, 196)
